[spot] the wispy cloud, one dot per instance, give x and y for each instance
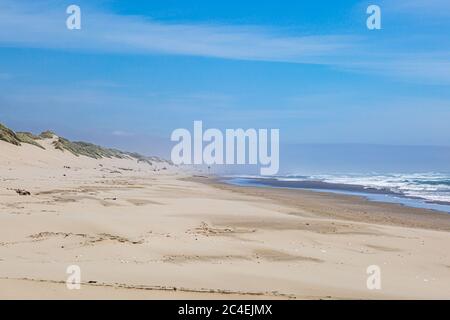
(36, 26)
(431, 69)
(41, 27)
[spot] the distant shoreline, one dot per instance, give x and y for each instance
(372, 194)
(341, 206)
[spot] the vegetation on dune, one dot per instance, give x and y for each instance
(47, 135)
(139, 157)
(158, 159)
(8, 135)
(27, 137)
(17, 138)
(77, 148)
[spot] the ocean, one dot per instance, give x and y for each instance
(420, 190)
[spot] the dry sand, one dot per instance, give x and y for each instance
(137, 233)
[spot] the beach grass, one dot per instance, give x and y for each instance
(90, 150)
(77, 148)
(8, 135)
(28, 137)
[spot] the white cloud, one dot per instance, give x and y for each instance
(40, 27)
(431, 69)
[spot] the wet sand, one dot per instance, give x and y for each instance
(340, 206)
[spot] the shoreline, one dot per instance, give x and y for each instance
(321, 203)
(370, 193)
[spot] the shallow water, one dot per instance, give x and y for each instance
(372, 193)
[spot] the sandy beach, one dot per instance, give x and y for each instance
(147, 232)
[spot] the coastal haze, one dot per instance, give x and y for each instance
(88, 105)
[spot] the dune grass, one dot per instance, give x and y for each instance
(17, 138)
(47, 135)
(8, 135)
(28, 137)
(77, 148)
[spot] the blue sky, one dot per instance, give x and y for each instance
(139, 69)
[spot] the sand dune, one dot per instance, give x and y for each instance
(137, 232)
